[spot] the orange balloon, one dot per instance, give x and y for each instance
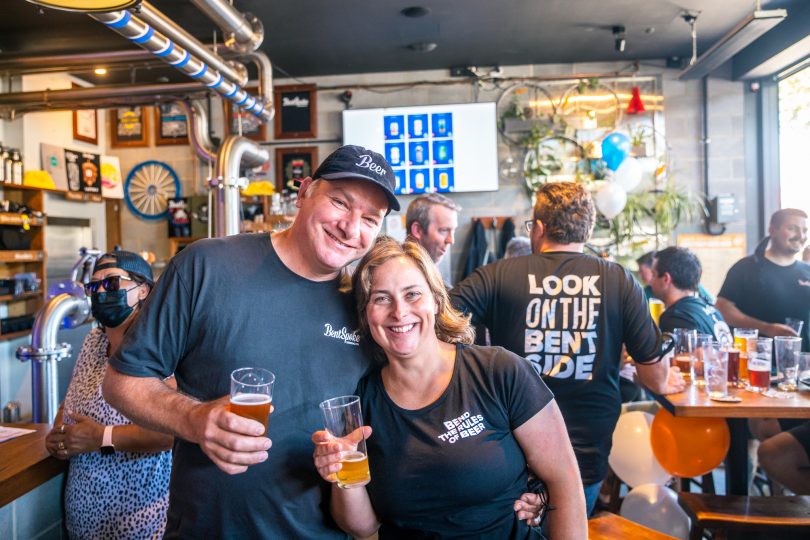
(688, 447)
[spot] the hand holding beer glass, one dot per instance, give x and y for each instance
(252, 394)
(343, 421)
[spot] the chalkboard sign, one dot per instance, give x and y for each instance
(296, 111)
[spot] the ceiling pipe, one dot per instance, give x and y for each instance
(198, 130)
(234, 154)
(95, 97)
(145, 36)
(243, 33)
(265, 69)
(229, 69)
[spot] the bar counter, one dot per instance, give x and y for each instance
(25, 464)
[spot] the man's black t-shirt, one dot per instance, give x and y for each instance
(229, 303)
(453, 469)
(568, 314)
(769, 292)
(693, 313)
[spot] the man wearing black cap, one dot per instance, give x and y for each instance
(256, 301)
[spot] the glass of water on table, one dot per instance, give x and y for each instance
(343, 420)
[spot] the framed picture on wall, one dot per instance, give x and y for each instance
(293, 165)
(129, 126)
(252, 128)
(170, 124)
(296, 111)
(85, 126)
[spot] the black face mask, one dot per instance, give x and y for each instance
(110, 308)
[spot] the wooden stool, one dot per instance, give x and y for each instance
(722, 514)
(607, 526)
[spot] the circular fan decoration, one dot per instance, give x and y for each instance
(148, 187)
(525, 111)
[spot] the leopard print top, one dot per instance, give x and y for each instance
(122, 496)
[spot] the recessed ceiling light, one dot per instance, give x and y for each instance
(649, 30)
(421, 46)
(100, 71)
(415, 11)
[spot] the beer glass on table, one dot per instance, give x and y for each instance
(656, 309)
(796, 324)
(343, 420)
(786, 354)
(685, 349)
(252, 393)
(741, 337)
(760, 352)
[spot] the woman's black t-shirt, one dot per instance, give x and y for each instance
(453, 469)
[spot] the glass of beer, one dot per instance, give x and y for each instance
(656, 309)
(741, 337)
(786, 354)
(252, 393)
(343, 420)
(685, 350)
(760, 351)
(733, 366)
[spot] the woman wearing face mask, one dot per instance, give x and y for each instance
(118, 475)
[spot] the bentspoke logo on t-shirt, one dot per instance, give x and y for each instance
(349, 337)
(462, 427)
(561, 325)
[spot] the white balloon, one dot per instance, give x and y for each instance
(631, 457)
(656, 507)
(610, 200)
(628, 175)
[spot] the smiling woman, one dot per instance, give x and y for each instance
(447, 410)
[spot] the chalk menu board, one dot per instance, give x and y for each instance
(296, 111)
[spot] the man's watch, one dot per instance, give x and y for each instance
(107, 448)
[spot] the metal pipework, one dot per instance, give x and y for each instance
(45, 351)
(265, 68)
(243, 33)
(234, 71)
(16, 103)
(235, 152)
(198, 130)
(145, 36)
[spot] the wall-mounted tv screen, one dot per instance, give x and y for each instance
(432, 148)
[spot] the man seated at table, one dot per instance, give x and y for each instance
(675, 278)
(786, 458)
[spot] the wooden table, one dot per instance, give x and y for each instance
(25, 464)
(695, 402)
(610, 526)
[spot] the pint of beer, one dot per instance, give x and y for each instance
(656, 309)
(252, 393)
(343, 420)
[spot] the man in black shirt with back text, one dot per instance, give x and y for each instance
(568, 314)
(675, 279)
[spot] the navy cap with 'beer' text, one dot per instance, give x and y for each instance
(355, 162)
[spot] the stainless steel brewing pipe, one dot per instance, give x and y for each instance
(235, 153)
(243, 32)
(144, 35)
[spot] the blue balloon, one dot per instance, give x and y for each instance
(615, 148)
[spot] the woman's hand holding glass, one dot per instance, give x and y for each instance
(330, 452)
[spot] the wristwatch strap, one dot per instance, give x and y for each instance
(106, 439)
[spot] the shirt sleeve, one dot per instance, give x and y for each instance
(156, 341)
(475, 294)
(641, 336)
(668, 323)
(520, 388)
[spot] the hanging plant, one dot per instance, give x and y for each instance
(655, 213)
